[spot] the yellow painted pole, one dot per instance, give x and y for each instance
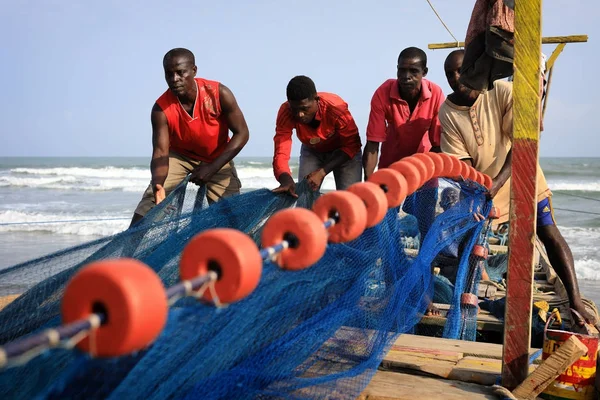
(523, 199)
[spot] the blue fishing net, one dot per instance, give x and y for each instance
(320, 332)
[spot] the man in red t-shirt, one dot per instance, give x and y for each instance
(190, 134)
(404, 120)
(329, 136)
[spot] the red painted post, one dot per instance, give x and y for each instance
(526, 125)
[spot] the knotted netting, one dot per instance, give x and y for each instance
(320, 332)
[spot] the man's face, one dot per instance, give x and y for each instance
(452, 68)
(410, 75)
(448, 198)
(304, 111)
(179, 74)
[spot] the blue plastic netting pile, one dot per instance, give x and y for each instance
(316, 333)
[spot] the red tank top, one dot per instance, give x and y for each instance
(202, 136)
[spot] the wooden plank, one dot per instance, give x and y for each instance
(387, 385)
(525, 146)
(546, 40)
(550, 369)
(498, 249)
(6, 300)
(554, 55)
(481, 349)
(485, 321)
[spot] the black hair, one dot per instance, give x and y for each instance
(180, 52)
(301, 87)
(414, 52)
(453, 53)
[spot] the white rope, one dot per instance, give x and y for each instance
(443, 23)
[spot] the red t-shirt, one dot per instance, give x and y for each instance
(403, 134)
(336, 130)
(203, 135)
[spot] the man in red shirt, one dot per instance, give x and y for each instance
(404, 119)
(190, 134)
(329, 136)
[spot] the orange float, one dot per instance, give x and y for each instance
(305, 233)
(232, 254)
(472, 174)
(423, 172)
(487, 181)
(131, 297)
(347, 209)
(451, 165)
(411, 173)
(480, 251)
(393, 184)
(465, 170)
(429, 165)
(375, 201)
(480, 178)
(438, 161)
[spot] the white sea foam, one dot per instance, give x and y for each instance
(583, 186)
(123, 179)
(90, 225)
(106, 172)
(588, 269)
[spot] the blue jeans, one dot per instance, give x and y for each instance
(345, 175)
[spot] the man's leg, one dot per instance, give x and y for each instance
(179, 167)
(348, 173)
(422, 205)
(224, 183)
(560, 256)
(309, 162)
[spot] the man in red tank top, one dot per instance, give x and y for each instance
(329, 136)
(190, 134)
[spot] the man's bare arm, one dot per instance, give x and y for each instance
(237, 125)
(159, 166)
(370, 158)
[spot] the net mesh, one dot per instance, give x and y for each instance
(316, 333)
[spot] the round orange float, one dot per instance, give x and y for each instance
(465, 170)
(131, 297)
(411, 173)
(429, 165)
(455, 167)
(375, 201)
(347, 209)
(423, 171)
(232, 254)
(480, 251)
(305, 233)
(480, 178)
(393, 184)
(487, 181)
(438, 161)
(472, 174)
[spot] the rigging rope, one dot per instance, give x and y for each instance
(443, 23)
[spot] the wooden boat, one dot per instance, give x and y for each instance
(420, 367)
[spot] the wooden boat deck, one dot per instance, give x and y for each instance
(423, 367)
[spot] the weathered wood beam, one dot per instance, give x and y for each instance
(550, 369)
(546, 40)
(523, 199)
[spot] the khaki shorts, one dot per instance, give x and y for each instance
(222, 184)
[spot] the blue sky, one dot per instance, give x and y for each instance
(79, 78)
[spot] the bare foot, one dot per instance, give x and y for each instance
(432, 311)
(484, 275)
(581, 316)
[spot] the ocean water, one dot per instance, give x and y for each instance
(34, 192)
